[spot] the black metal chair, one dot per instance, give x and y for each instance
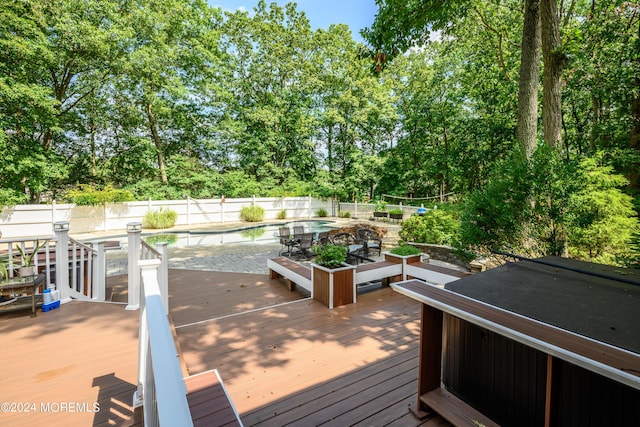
(354, 247)
(369, 240)
(285, 240)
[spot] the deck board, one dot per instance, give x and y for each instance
(304, 364)
(82, 353)
(278, 353)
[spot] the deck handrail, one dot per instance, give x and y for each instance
(60, 251)
(161, 388)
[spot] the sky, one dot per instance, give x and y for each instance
(357, 14)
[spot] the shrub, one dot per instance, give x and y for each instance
(162, 218)
(405, 250)
(395, 212)
(252, 213)
(282, 214)
(86, 195)
(345, 214)
(330, 256)
(436, 226)
(321, 212)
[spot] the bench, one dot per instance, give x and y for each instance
(209, 402)
(295, 273)
(433, 274)
(377, 271)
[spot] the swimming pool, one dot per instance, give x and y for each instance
(256, 235)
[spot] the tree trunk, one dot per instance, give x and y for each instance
(634, 134)
(554, 61)
(153, 125)
(529, 73)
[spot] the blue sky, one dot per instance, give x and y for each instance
(357, 14)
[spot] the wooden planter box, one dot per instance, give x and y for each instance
(334, 287)
(396, 216)
(404, 260)
(381, 215)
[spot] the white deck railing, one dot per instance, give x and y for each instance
(75, 269)
(138, 250)
(161, 388)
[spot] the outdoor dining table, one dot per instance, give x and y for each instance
(19, 285)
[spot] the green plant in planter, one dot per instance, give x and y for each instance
(26, 256)
(381, 206)
(4, 272)
(330, 256)
(406, 250)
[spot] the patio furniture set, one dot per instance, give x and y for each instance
(300, 243)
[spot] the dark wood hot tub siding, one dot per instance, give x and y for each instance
(501, 378)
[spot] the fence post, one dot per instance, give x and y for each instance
(61, 229)
(222, 209)
(188, 210)
(163, 274)
(99, 272)
(133, 247)
(309, 204)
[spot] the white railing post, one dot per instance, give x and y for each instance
(61, 230)
(143, 352)
(133, 231)
(309, 206)
(163, 274)
(99, 272)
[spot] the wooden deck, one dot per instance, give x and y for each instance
(284, 359)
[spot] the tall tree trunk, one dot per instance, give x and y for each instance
(529, 73)
(634, 134)
(554, 61)
(153, 126)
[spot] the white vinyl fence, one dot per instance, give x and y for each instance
(30, 220)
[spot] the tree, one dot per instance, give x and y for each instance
(527, 128)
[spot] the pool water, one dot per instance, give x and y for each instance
(256, 235)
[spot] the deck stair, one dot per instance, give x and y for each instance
(209, 401)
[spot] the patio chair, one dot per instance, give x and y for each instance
(323, 238)
(285, 240)
(369, 240)
(354, 247)
(304, 244)
(298, 230)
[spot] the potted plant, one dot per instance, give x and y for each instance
(404, 254)
(396, 214)
(333, 280)
(380, 210)
(26, 258)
